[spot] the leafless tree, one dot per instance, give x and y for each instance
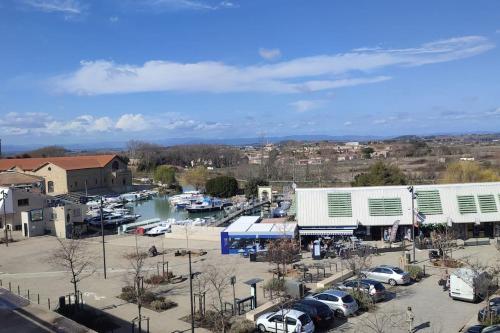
(282, 253)
(219, 283)
(137, 263)
(382, 322)
(358, 263)
(73, 255)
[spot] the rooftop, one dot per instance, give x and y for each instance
(66, 162)
(16, 178)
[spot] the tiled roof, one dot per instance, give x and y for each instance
(67, 162)
(17, 178)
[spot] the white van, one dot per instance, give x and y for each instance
(468, 285)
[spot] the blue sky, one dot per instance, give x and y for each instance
(112, 70)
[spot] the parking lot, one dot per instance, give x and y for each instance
(26, 263)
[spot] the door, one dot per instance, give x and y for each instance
(25, 230)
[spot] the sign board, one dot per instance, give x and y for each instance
(36, 215)
(394, 231)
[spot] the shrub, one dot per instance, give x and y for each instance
(416, 272)
(162, 304)
(222, 186)
(149, 297)
(128, 294)
(159, 279)
(242, 326)
(364, 300)
(274, 284)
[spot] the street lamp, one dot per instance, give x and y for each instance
(412, 193)
(103, 246)
(4, 196)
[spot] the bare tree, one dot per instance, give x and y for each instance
(358, 263)
(219, 283)
(282, 252)
(73, 255)
(444, 240)
(382, 322)
(137, 264)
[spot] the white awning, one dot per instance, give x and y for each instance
(327, 232)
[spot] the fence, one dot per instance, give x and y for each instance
(28, 294)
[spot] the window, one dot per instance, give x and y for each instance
(112, 181)
(23, 202)
(50, 186)
(123, 181)
(76, 183)
(291, 321)
(277, 319)
(96, 181)
(49, 168)
(339, 205)
(115, 166)
(466, 204)
(429, 202)
(385, 207)
(487, 203)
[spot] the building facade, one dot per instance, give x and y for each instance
(74, 173)
(473, 210)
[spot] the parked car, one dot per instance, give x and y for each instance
(339, 301)
(492, 329)
(468, 285)
(320, 313)
(374, 289)
(276, 321)
(475, 329)
(494, 310)
(388, 274)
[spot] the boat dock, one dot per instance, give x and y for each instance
(223, 221)
(127, 227)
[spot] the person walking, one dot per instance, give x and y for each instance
(410, 317)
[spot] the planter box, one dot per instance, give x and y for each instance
(337, 277)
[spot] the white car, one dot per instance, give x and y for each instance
(296, 322)
(341, 303)
(160, 229)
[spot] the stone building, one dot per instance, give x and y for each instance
(74, 173)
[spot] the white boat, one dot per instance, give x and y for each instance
(199, 222)
(160, 229)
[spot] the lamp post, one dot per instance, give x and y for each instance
(411, 190)
(103, 246)
(4, 201)
(191, 292)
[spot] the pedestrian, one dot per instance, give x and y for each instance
(410, 317)
(445, 280)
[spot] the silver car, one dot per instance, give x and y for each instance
(388, 274)
(341, 303)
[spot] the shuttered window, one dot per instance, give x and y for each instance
(429, 202)
(487, 203)
(466, 204)
(385, 207)
(339, 205)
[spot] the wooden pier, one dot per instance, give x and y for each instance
(223, 221)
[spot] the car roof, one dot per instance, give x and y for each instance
(311, 302)
(290, 313)
(387, 266)
(339, 293)
(370, 281)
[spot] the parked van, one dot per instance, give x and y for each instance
(468, 285)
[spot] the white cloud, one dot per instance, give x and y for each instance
(114, 19)
(323, 72)
(187, 4)
(132, 122)
(81, 125)
(307, 105)
(348, 123)
(380, 121)
(68, 7)
(269, 54)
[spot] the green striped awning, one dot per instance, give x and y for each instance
(487, 203)
(385, 207)
(466, 204)
(429, 202)
(339, 204)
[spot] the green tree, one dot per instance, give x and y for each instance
(196, 177)
(222, 186)
(367, 152)
(252, 185)
(380, 174)
(468, 172)
(165, 174)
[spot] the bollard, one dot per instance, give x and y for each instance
(18, 291)
(48, 300)
(147, 325)
(10, 288)
(38, 298)
(0, 283)
(28, 294)
(424, 270)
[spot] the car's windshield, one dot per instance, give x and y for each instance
(379, 286)
(304, 319)
(398, 270)
(347, 299)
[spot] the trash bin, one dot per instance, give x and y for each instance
(62, 302)
(253, 257)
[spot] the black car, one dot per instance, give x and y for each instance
(372, 288)
(494, 310)
(320, 313)
(475, 329)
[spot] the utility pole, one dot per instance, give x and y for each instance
(411, 190)
(191, 292)
(4, 196)
(103, 246)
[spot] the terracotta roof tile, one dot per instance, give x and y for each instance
(17, 178)
(67, 162)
